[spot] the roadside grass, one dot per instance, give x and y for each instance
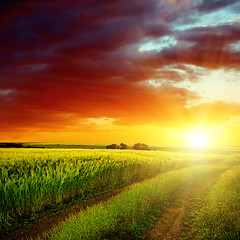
(215, 213)
(191, 228)
(135, 210)
(33, 181)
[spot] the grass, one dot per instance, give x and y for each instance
(129, 214)
(35, 180)
(223, 207)
(215, 213)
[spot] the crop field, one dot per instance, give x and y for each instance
(203, 187)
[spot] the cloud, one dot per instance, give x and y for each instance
(212, 36)
(214, 113)
(66, 104)
(201, 57)
(63, 62)
(209, 6)
(208, 47)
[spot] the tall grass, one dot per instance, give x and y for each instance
(127, 215)
(31, 180)
(220, 218)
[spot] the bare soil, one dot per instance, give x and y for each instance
(45, 224)
(169, 226)
(171, 223)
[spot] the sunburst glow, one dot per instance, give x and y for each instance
(197, 138)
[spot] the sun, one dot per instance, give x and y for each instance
(197, 138)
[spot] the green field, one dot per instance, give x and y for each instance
(34, 182)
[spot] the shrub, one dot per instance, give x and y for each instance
(122, 146)
(140, 146)
(112, 146)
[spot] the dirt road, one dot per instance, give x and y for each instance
(45, 224)
(171, 224)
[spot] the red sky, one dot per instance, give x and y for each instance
(112, 71)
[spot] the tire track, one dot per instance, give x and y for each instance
(171, 223)
(45, 224)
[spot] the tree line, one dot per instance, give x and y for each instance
(136, 146)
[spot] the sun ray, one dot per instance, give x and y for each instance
(197, 138)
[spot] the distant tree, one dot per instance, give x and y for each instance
(140, 146)
(13, 145)
(112, 146)
(122, 146)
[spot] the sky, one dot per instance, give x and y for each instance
(119, 71)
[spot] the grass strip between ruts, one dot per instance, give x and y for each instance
(130, 213)
(218, 217)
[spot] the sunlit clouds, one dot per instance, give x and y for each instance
(70, 69)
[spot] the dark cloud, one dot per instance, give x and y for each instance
(213, 5)
(200, 56)
(210, 47)
(156, 30)
(67, 60)
(212, 36)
